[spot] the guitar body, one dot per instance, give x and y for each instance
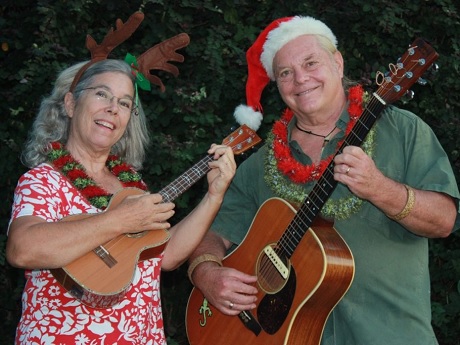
(99, 285)
(291, 309)
(303, 265)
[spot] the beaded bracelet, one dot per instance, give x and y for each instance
(199, 260)
(409, 205)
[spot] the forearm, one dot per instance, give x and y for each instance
(210, 252)
(35, 244)
(189, 232)
(425, 213)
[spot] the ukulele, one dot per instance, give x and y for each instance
(101, 277)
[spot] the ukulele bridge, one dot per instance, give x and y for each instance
(105, 256)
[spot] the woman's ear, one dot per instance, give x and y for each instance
(69, 103)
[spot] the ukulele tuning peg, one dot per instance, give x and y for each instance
(233, 128)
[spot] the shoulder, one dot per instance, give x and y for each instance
(404, 122)
(43, 174)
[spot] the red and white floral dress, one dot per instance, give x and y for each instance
(50, 315)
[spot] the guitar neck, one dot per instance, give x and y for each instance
(326, 184)
(181, 184)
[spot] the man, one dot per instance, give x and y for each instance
(393, 192)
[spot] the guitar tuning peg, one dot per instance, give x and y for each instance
(422, 81)
(434, 68)
(432, 71)
(408, 96)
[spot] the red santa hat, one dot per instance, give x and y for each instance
(260, 60)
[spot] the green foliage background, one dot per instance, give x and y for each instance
(39, 38)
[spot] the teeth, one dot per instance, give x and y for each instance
(105, 124)
(304, 92)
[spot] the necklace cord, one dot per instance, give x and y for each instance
(325, 137)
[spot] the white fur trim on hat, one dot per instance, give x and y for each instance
(287, 31)
(246, 115)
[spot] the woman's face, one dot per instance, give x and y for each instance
(101, 115)
(309, 79)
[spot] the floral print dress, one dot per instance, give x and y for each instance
(50, 315)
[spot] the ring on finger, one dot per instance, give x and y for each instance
(348, 170)
(231, 305)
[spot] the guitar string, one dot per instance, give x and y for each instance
(360, 133)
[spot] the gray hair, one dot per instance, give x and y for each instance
(52, 123)
(330, 48)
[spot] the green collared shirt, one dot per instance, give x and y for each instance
(389, 299)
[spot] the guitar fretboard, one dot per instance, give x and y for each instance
(326, 184)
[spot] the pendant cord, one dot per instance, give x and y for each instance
(325, 137)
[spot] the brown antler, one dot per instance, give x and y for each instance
(158, 56)
(112, 39)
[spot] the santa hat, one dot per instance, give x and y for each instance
(260, 60)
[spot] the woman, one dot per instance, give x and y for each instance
(101, 126)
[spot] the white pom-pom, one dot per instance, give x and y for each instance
(245, 115)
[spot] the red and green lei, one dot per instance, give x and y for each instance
(62, 160)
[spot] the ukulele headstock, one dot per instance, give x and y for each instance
(242, 139)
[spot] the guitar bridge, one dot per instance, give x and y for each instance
(276, 261)
(250, 322)
(105, 256)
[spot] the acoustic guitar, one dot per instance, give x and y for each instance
(303, 265)
(101, 277)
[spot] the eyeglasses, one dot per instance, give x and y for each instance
(103, 96)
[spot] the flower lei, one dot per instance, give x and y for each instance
(280, 163)
(63, 161)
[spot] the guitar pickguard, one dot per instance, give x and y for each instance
(274, 308)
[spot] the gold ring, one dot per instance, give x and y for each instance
(231, 305)
(348, 170)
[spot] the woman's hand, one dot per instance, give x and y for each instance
(223, 168)
(142, 212)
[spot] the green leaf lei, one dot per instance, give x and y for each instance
(340, 209)
(296, 193)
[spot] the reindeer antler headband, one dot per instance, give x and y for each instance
(156, 57)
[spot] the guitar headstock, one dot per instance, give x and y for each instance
(242, 139)
(407, 71)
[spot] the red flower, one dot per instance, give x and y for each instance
(287, 164)
(56, 145)
(93, 191)
(60, 162)
(76, 173)
(117, 169)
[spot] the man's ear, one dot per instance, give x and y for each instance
(338, 58)
(69, 103)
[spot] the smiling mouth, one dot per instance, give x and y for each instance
(306, 92)
(105, 124)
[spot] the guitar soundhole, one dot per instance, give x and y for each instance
(135, 234)
(270, 279)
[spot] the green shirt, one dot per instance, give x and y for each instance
(389, 299)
